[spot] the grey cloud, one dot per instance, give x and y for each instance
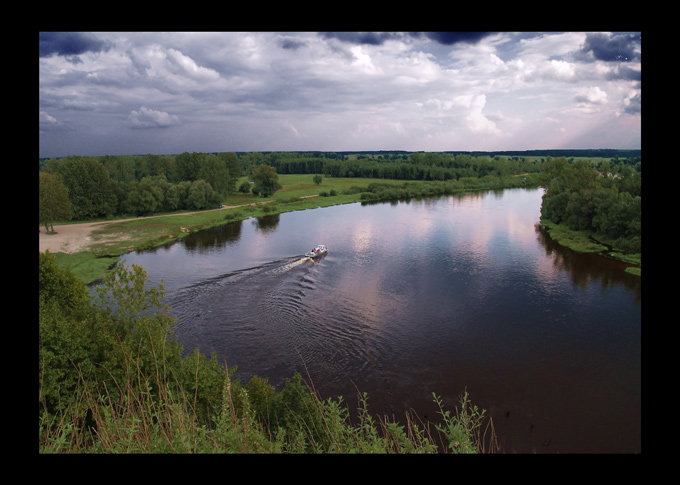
(625, 73)
(171, 91)
(290, 44)
(370, 38)
(69, 44)
(149, 118)
(378, 38)
(611, 48)
(450, 38)
(634, 104)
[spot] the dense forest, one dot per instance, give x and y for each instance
(606, 200)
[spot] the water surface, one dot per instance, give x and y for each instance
(438, 295)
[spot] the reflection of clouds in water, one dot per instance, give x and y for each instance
(491, 233)
(362, 236)
(363, 289)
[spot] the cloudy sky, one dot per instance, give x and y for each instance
(121, 93)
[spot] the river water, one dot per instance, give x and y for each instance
(438, 295)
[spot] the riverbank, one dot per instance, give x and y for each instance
(587, 242)
(89, 249)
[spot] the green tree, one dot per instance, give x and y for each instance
(188, 166)
(619, 217)
(64, 318)
(317, 179)
(146, 196)
(89, 187)
(53, 201)
(176, 196)
(120, 168)
(244, 188)
(266, 180)
(201, 196)
(112, 344)
(135, 329)
(234, 166)
(50, 166)
(251, 160)
(155, 165)
(214, 171)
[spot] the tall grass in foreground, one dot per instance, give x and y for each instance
(142, 420)
(112, 380)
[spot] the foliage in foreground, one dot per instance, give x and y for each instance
(112, 379)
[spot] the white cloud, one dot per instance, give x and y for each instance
(560, 70)
(476, 121)
(46, 118)
(591, 95)
(149, 118)
(184, 65)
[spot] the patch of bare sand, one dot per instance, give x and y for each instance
(72, 238)
(69, 238)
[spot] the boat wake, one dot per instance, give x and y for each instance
(278, 318)
(293, 264)
(249, 318)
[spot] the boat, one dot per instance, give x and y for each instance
(320, 250)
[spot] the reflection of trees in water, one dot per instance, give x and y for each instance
(584, 268)
(213, 237)
(267, 223)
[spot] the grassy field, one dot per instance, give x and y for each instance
(298, 193)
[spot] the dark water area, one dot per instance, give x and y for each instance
(427, 296)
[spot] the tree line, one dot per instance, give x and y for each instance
(605, 199)
(82, 188)
(416, 166)
(109, 186)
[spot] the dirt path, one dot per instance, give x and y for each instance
(72, 238)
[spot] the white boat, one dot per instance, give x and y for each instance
(320, 250)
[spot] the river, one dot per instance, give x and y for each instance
(438, 295)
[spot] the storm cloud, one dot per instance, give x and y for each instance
(69, 44)
(170, 92)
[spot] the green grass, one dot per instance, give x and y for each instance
(579, 241)
(586, 242)
(164, 422)
(86, 266)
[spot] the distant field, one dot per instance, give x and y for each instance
(303, 186)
